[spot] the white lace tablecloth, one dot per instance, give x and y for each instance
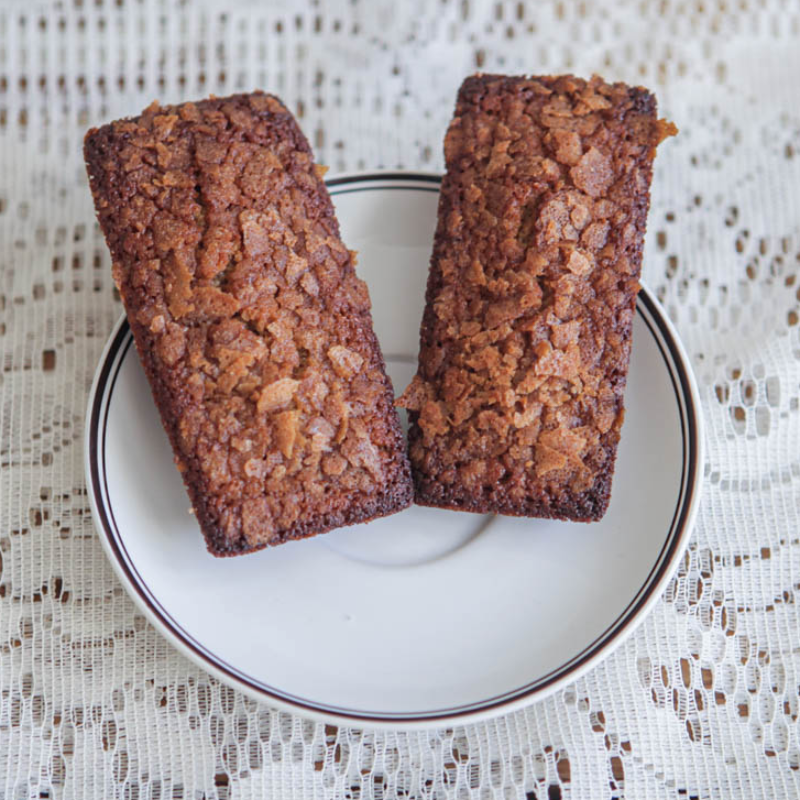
(703, 700)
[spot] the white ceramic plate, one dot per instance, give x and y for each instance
(428, 616)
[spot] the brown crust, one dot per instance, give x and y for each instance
(253, 329)
(517, 404)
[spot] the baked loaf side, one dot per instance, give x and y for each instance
(253, 329)
(525, 341)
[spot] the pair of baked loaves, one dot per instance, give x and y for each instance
(256, 334)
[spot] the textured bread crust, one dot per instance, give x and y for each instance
(516, 407)
(253, 329)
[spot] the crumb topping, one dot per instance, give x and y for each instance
(525, 341)
(258, 332)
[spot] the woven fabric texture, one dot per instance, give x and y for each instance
(703, 700)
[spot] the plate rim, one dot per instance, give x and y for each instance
(690, 413)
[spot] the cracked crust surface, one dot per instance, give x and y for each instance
(517, 404)
(252, 326)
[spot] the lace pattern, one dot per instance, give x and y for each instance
(703, 700)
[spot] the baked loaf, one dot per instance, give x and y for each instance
(516, 407)
(253, 329)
